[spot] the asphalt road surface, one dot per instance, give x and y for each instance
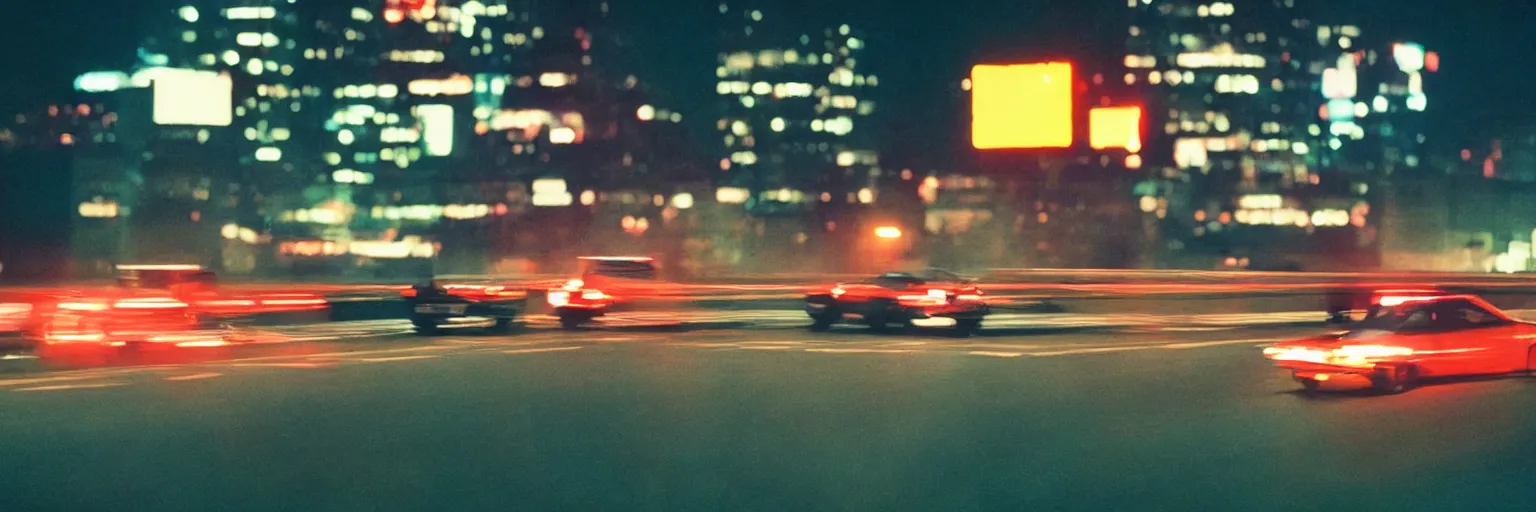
(1141, 418)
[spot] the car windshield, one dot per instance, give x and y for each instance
(628, 269)
(1406, 317)
(1442, 315)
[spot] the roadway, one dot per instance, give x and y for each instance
(1122, 418)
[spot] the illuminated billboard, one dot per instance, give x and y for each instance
(1021, 106)
(1115, 128)
(185, 97)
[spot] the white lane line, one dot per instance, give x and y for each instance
(1099, 350)
(43, 380)
(995, 354)
(1203, 344)
(540, 350)
(195, 376)
(1152, 346)
(857, 351)
(393, 359)
(13, 357)
(282, 365)
(767, 347)
(63, 387)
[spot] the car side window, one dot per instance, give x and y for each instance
(1463, 314)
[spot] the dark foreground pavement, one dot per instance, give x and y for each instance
(1134, 420)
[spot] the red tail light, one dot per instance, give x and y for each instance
(408, 293)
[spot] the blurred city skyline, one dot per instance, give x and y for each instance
(922, 48)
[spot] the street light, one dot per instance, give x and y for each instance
(888, 232)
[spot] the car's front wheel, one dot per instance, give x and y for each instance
(1391, 380)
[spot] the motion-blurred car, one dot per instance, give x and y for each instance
(122, 318)
(605, 283)
(1408, 336)
(434, 305)
(931, 298)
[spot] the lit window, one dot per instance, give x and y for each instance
(188, 13)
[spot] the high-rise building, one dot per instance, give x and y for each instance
(1221, 87)
(796, 122)
(400, 125)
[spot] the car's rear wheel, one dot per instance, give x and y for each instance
(424, 326)
(570, 321)
(966, 328)
(1391, 380)
(503, 325)
(823, 321)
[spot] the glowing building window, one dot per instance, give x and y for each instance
(456, 85)
(437, 128)
(193, 98)
(250, 13)
(269, 154)
(417, 56)
(1115, 128)
(555, 79)
(1021, 106)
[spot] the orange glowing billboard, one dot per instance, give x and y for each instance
(1115, 128)
(1021, 106)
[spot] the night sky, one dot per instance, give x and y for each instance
(919, 48)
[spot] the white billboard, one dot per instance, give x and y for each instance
(186, 97)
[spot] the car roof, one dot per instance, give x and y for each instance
(161, 267)
(635, 259)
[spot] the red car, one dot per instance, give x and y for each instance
(1406, 337)
(605, 283)
(932, 298)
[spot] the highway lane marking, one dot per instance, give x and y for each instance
(540, 350)
(342, 354)
(13, 357)
(195, 376)
(61, 378)
(1203, 344)
(64, 387)
(282, 365)
(767, 347)
(1152, 346)
(397, 358)
(858, 351)
(995, 354)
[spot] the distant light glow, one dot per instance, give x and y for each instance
(269, 154)
(102, 81)
(888, 232)
(437, 128)
(188, 13)
(1021, 106)
(682, 201)
(732, 195)
(562, 135)
(1408, 56)
(645, 113)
